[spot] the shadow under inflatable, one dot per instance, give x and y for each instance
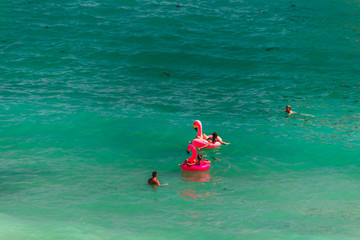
(194, 176)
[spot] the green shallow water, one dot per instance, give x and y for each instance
(94, 96)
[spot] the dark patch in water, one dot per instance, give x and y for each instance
(178, 6)
(271, 48)
(166, 74)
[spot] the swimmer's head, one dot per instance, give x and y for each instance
(288, 108)
(154, 174)
(199, 156)
(214, 136)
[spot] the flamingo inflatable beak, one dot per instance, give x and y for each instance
(188, 151)
(196, 128)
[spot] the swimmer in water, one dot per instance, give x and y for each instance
(288, 110)
(153, 180)
(213, 139)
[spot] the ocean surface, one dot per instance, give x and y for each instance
(95, 95)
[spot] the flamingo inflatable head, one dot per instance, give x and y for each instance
(198, 128)
(193, 153)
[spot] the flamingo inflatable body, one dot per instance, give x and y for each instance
(201, 167)
(199, 141)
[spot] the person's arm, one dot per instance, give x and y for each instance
(306, 115)
(225, 143)
(290, 112)
(208, 144)
(157, 182)
(186, 162)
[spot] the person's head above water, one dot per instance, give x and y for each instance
(288, 108)
(153, 180)
(199, 157)
(214, 136)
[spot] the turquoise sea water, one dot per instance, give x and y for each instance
(95, 95)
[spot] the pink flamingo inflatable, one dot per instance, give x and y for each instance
(199, 141)
(201, 167)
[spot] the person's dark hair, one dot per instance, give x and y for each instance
(214, 136)
(199, 157)
(154, 174)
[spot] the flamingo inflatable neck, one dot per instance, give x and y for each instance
(193, 153)
(198, 126)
